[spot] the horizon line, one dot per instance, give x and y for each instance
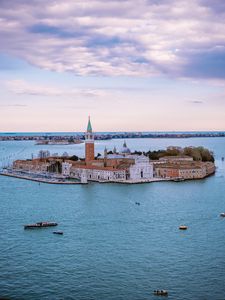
(132, 131)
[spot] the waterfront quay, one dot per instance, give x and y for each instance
(39, 177)
(43, 178)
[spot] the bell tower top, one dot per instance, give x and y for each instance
(89, 136)
(89, 127)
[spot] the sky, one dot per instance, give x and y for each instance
(132, 65)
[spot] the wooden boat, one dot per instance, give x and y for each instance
(58, 232)
(183, 227)
(40, 225)
(161, 293)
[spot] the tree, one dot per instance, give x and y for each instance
(98, 155)
(199, 154)
(74, 158)
(137, 152)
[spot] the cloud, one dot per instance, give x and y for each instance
(117, 37)
(23, 87)
(13, 105)
(196, 101)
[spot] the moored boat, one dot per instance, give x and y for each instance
(40, 225)
(178, 179)
(183, 227)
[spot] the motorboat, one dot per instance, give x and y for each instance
(183, 227)
(58, 232)
(222, 214)
(161, 293)
(40, 225)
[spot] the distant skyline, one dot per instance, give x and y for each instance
(132, 65)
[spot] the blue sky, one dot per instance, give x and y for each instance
(131, 64)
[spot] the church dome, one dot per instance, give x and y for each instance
(125, 149)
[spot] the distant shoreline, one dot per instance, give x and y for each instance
(107, 136)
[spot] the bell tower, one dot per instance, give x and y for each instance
(89, 143)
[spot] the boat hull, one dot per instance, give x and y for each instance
(40, 225)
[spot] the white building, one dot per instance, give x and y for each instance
(141, 169)
(66, 168)
(97, 173)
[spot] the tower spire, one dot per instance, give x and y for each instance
(89, 127)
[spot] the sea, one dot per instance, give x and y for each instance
(113, 249)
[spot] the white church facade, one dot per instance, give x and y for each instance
(141, 169)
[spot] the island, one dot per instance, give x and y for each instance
(174, 163)
(60, 141)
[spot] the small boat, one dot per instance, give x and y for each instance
(222, 214)
(183, 227)
(40, 225)
(161, 293)
(58, 232)
(178, 179)
(222, 158)
(137, 203)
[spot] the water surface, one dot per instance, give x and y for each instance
(112, 248)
